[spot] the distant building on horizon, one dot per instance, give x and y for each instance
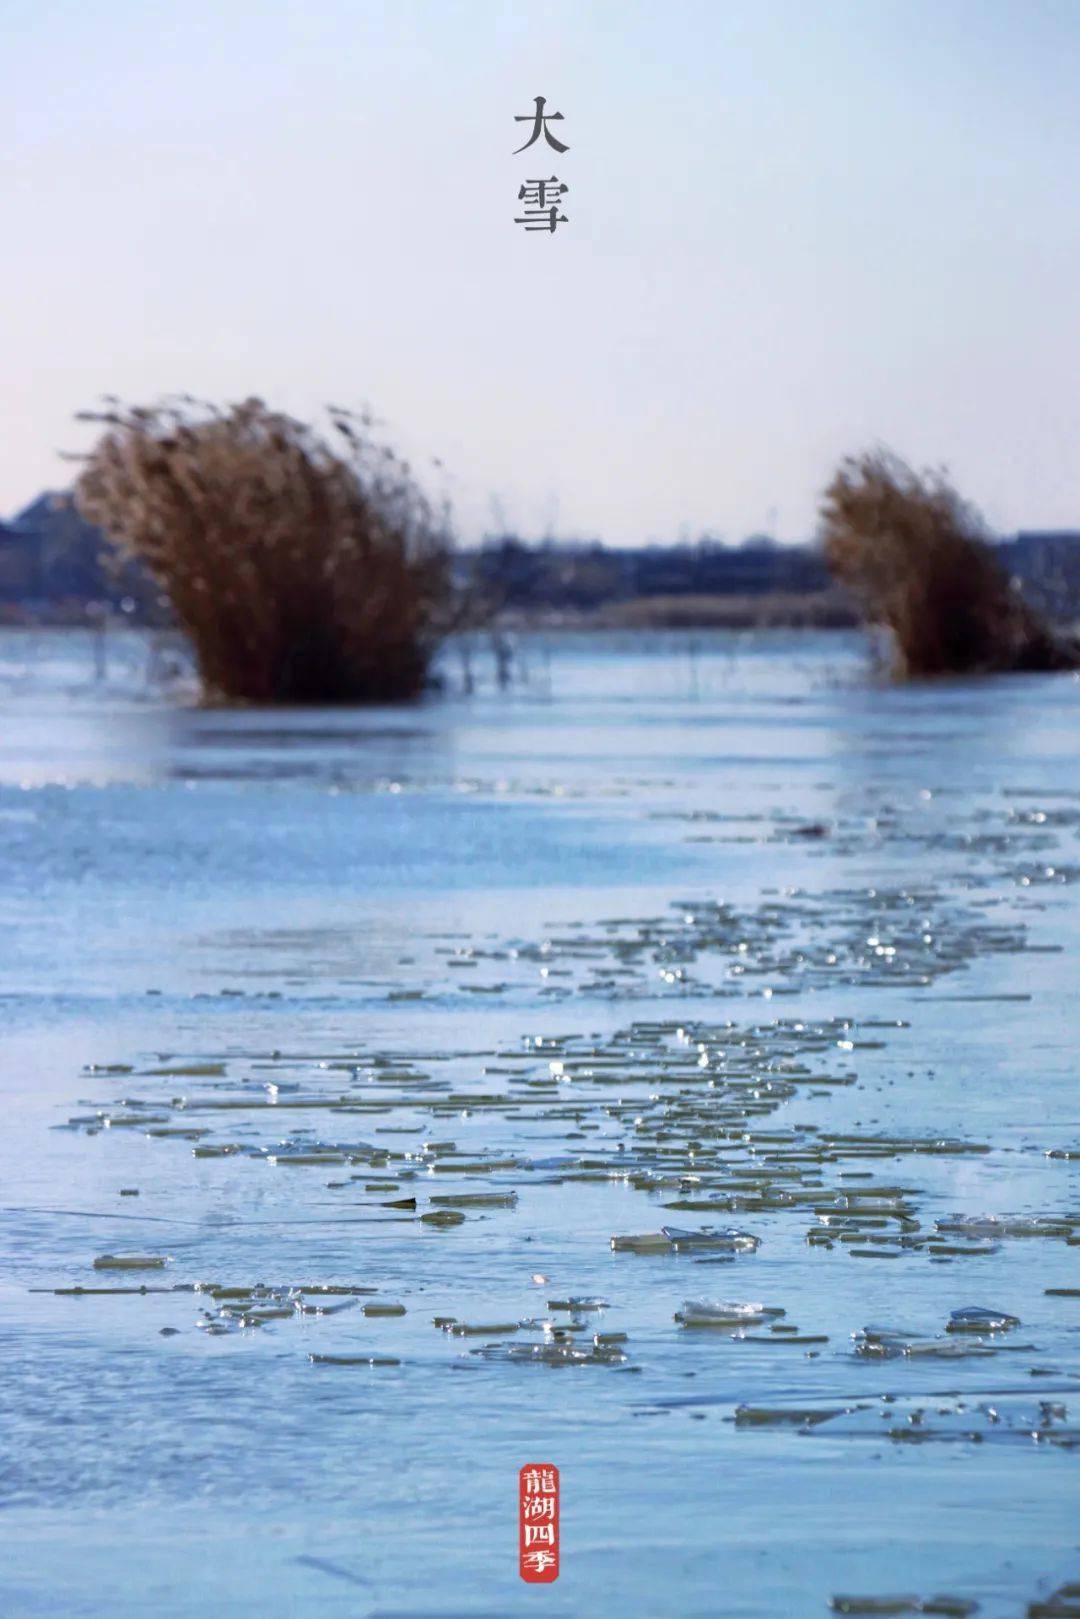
(51, 557)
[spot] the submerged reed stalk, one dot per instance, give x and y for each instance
(304, 571)
(919, 563)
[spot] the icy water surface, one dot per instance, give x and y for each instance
(665, 1069)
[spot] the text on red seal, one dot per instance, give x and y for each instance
(538, 1523)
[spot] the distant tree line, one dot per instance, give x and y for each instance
(581, 577)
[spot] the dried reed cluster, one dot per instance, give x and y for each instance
(303, 570)
(918, 561)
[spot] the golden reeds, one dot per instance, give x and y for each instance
(918, 560)
(304, 571)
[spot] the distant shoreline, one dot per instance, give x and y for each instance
(816, 610)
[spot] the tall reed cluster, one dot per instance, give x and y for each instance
(919, 562)
(304, 569)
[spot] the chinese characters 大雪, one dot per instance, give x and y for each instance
(541, 197)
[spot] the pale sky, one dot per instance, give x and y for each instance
(795, 228)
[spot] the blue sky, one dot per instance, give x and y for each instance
(795, 229)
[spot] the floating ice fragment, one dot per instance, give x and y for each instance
(476, 1200)
(354, 1360)
(730, 1239)
(889, 1343)
(565, 1354)
(975, 1319)
(948, 1607)
(763, 1416)
(464, 1329)
(674, 1239)
(721, 1313)
(131, 1262)
(1008, 1225)
(319, 1308)
(1064, 1603)
(292, 1160)
(649, 1242)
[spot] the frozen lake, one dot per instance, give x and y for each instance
(419, 1005)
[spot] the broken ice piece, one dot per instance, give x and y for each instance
(130, 1262)
(730, 1239)
(721, 1313)
(649, 1242)
(975, 1319)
